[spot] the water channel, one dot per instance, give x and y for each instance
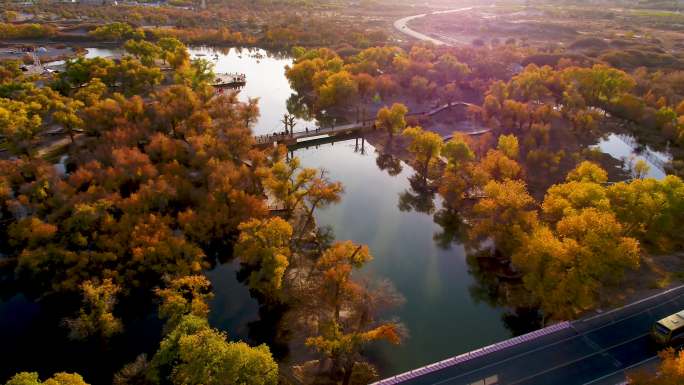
(442, 316)
(625, 148)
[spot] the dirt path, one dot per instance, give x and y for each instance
(402, 25)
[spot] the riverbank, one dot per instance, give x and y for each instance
(656, 274)
(656, 271)
(25, 52)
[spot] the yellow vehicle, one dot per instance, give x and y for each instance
(669, 330)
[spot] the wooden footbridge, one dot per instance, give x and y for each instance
(290, 139)
(346, 130)
(443, 107)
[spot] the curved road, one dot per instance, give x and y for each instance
(402, 25)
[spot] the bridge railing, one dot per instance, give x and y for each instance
(268, 138)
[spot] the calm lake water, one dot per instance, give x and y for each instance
(102, 52)
(443, 318)
(265, 80)
(626, 149)
(439, 312)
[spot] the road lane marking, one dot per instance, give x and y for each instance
(668, 291)
(555, 367)
(621, 370)
(604, 351)
(574, 337)
(594, 345)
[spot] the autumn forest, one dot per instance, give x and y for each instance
(128, 180)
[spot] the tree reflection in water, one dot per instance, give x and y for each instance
(266, 329)
(360, 146)
(522, 320)
(389, 163)
(454, 228)
(496, 283)
(298, 106)
(420, 197)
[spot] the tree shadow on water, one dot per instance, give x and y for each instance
(267, 330)
(497, 285)
(523, 320)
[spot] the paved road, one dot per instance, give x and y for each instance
(402, 25)
(591, 351)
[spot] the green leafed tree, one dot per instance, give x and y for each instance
(195, 353)
(508, 144)
(96, 317)
(20, 125)
(566, 269)
(393, 119)
(31, 378)
(338, 89)
(184, 295)
(288, 183)
(264, 246)
(650, 209)
(506, 214)
(425, 146)
(147, 52)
